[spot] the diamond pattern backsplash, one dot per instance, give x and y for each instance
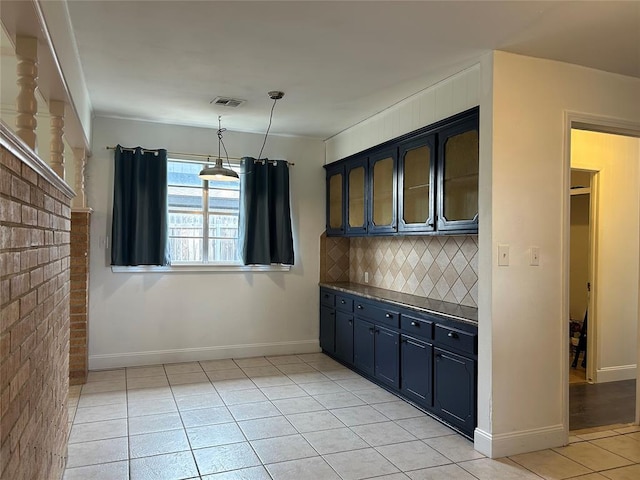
(442, 268)
(334, 259)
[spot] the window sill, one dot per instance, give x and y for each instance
(201, 268)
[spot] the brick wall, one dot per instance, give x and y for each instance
(34, 320)
(78, 353)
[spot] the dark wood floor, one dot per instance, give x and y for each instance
(594, 405)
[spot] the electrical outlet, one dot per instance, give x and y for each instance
(366, 277)
(503, 255)
(535, 256)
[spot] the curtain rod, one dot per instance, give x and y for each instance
(199, 155)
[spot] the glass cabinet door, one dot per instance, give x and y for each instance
(382, 168)
(356, 172)
(458, 177)
(335, 200)
(416, 191)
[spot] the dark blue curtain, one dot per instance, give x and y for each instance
(139, 228)
(266, 229)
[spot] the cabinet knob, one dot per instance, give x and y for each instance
(350, 322)
(342, 302)
(360, 307)
(371, 330)
(452, 335)
(415, 324)
(388, 315)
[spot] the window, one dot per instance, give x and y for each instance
(203, 216)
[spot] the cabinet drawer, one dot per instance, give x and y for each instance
(457, 339)
(344, 303)
(378, 314)
(327, 298)
(417, 326)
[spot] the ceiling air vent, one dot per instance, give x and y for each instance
(227, 102)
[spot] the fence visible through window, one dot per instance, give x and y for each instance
(203, 216)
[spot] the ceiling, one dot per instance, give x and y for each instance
(338, 62)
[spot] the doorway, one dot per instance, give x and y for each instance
(580, 273)
(604, 244)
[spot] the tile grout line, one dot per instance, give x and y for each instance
(343, 383)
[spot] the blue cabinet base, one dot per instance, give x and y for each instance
(398, 350)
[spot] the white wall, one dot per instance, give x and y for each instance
(145, 318)
(452, 95)
(523, 315)
(617, 160)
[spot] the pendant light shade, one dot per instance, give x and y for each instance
(218, 172)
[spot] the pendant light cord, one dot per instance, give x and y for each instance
(268, 128)
(221, 142)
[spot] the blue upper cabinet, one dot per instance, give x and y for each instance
(335, 199)
(458, 156)
(357, 196)
(416, 189)
(425, 182)
(383, 170)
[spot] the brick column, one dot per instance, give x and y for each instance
(35, 217)
(78, 348)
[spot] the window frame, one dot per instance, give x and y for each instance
(203, 266)
(205, 211)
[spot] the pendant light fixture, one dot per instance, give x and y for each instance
(218, 171)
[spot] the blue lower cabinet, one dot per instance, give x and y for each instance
(455, 389)
(427, 359)
(344, 337)
(417, 370)
(376, 351)
(328, 329)
(364, 345)
(387, 356)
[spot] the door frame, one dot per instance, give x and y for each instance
(597, 124)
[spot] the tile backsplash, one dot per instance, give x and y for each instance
(442, 268)
(334, 259)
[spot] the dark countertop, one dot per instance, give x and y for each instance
(422, 304)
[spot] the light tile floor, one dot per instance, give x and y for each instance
(294, 417)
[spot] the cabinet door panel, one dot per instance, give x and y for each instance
(416, 200)
(382, 208)
(454, 389)
(335, 200)
(328, 329)
(363, 345)
(458, 176)
(344, 337)
(416, 374)
(387, 356)
(356, 172)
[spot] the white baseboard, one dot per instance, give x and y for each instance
(514, 443)
(614, 374)
(155, 357)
